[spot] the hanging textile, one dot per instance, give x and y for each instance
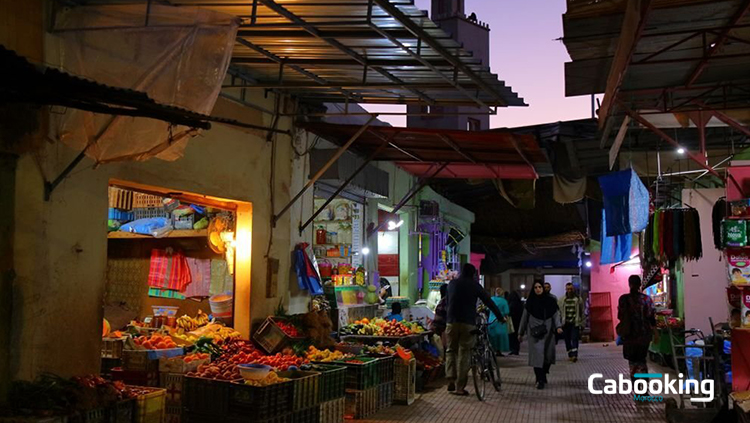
(307, 277)
(222, 281)
(615, 249)
(520, 193)
(626, 202)
(168, 270)
(673, 234)
(200, 274)
(567, 191)
(718, 214)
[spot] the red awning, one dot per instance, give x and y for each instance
(420, 151)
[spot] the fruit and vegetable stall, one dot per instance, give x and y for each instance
(295, 369)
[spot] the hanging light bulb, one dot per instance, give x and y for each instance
(680, 150)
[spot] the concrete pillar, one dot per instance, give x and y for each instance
(7, 274)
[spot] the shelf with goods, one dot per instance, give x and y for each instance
(177, 233)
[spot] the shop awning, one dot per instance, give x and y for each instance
(465, 154)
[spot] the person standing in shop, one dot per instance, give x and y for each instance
(571, 307)
(541, 319)
(516, 312)
(463, 294)
(637, 317)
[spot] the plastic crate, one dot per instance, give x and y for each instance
(405, 381)
(183, 222)
(122, 412)
(308, 415)
(149, 212)
(173, 414)
(385, 369)
(305, 389)
(112, 347)
(205, 396)
(119, 215)
(29, 419)
(141, 200)
(385, 395)
(147, 359)
(260, 402)
(172, 382)
(360, 376)
(150, 407)
(361, 404)
(206, 418)
(332, 411)
(135, 377)
(332, 381)
(97, 415)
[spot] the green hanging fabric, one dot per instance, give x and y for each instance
(655, 241)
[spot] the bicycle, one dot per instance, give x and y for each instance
(484, 366)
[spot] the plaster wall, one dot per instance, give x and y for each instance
(616, 283)
(61, 245)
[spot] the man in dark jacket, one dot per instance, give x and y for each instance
(463, 294)
(516, 311)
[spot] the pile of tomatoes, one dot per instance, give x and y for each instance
(288, 329)
(279, 361)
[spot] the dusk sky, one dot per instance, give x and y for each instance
(526, 55)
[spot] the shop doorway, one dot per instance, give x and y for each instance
(172, 254)
(388, 250)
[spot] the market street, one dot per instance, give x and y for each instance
(566, 398)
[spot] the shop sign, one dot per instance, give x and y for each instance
(652, 387)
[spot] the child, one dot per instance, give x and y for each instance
(737, 277)
(395, 312)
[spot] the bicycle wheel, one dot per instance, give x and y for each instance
(477, 373)
(493, 370)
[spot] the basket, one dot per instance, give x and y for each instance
(360, 404)
(119, 215)
(183, 222)
(385, 369)
(405, 379)
(221, 306)
(149, 212)
(305, 389)
(206, 396)
(150, 407)
(308, 415)
(360, 376)
(259, 402)
(332, 381)
(332, 411)
(385, 395)
(141, 200)
(172, 382)
(112, 347)
(122, 412)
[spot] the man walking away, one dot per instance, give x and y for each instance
(463, 294)
(637, 317)
(516, 311)
(571, 307)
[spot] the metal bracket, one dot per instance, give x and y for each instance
(50, 186)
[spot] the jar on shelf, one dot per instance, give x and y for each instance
(321, 235)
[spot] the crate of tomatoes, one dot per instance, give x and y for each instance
(275, 334)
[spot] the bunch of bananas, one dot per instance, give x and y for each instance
(192, 323)
(271, 379)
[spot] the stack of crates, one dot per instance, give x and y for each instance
(172, 382)
(305, 395)
(332, 392)
(405, 381)
(386, 385)
(362, 379)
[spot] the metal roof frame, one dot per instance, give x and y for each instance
(365, 51)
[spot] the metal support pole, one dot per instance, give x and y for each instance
(346, 182)
(50, 186)
(412, 192)
(668, 139)
(325, 167)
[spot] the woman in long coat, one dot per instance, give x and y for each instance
(499, 331)
(541, 310)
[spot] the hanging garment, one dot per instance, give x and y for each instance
(657, 236)
(165, 293)
(693, 247)
(168, 270)
(718, 214)
(307, 277)
(567, 191)
(200, 272)
(678, 233)
(668, 238)
(221, 280)
(626, 201)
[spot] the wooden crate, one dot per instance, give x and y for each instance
(361, 404)
(112, 347)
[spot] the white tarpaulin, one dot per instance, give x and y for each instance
(177, 55)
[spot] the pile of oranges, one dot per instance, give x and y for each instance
(155, 342)
(193, 357)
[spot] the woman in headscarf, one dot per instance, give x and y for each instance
(541, 319)
(499, 331)
(516, 311)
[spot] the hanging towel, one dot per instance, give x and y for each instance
(221, 280)
(567, 191)
(626, 201)
(168, 271)
(200, 272)
(165, 293)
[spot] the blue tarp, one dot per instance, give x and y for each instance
(615, 249)
(626, 202)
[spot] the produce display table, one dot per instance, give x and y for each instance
(404, 341)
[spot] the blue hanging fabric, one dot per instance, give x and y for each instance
(625, 202)
(615, 249)
(307, 276)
